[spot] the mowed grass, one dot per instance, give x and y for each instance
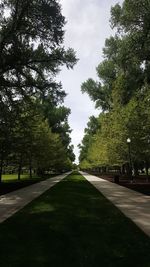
(72, 225)
(14, 177)
(11, 183)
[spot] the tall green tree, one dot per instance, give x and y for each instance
(91, 129)
(31, 55)
(31, 49)
(123, 89)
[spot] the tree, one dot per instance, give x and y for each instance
(92, 127)
(122, 91)
(31, 55)
(31, 48)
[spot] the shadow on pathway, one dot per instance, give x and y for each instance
(134, 205)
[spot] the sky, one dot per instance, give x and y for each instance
(86, 30)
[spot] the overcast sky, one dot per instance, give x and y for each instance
(86, 30)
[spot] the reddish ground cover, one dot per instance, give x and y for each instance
(139, 184)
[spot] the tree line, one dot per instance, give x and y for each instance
(122, 93)
(34, 129)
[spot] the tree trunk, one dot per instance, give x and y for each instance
(136, 170)
(146, 168)
(20, 167)
(146, 171)
(123, 169)
(1, 168)
(30, 167)
(128, 171)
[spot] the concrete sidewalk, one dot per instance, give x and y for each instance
(134, 205)
(12, 202)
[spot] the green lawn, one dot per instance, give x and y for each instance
(14, 177)
(10, 177)
(72, 225)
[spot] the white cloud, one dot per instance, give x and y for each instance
(86, 30)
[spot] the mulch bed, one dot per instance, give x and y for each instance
(139, 184)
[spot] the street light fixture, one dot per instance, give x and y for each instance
(128, 140)
(130, 161)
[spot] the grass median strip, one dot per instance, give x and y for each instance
(72, 225)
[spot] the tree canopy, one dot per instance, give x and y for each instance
(32, 115)
(122, 91)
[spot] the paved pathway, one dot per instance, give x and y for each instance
(134, 205)
(12, 202)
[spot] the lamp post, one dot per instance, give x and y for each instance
(147, 162)
(130, 161)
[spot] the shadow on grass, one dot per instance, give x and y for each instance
(7, 186)
(72, 225)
